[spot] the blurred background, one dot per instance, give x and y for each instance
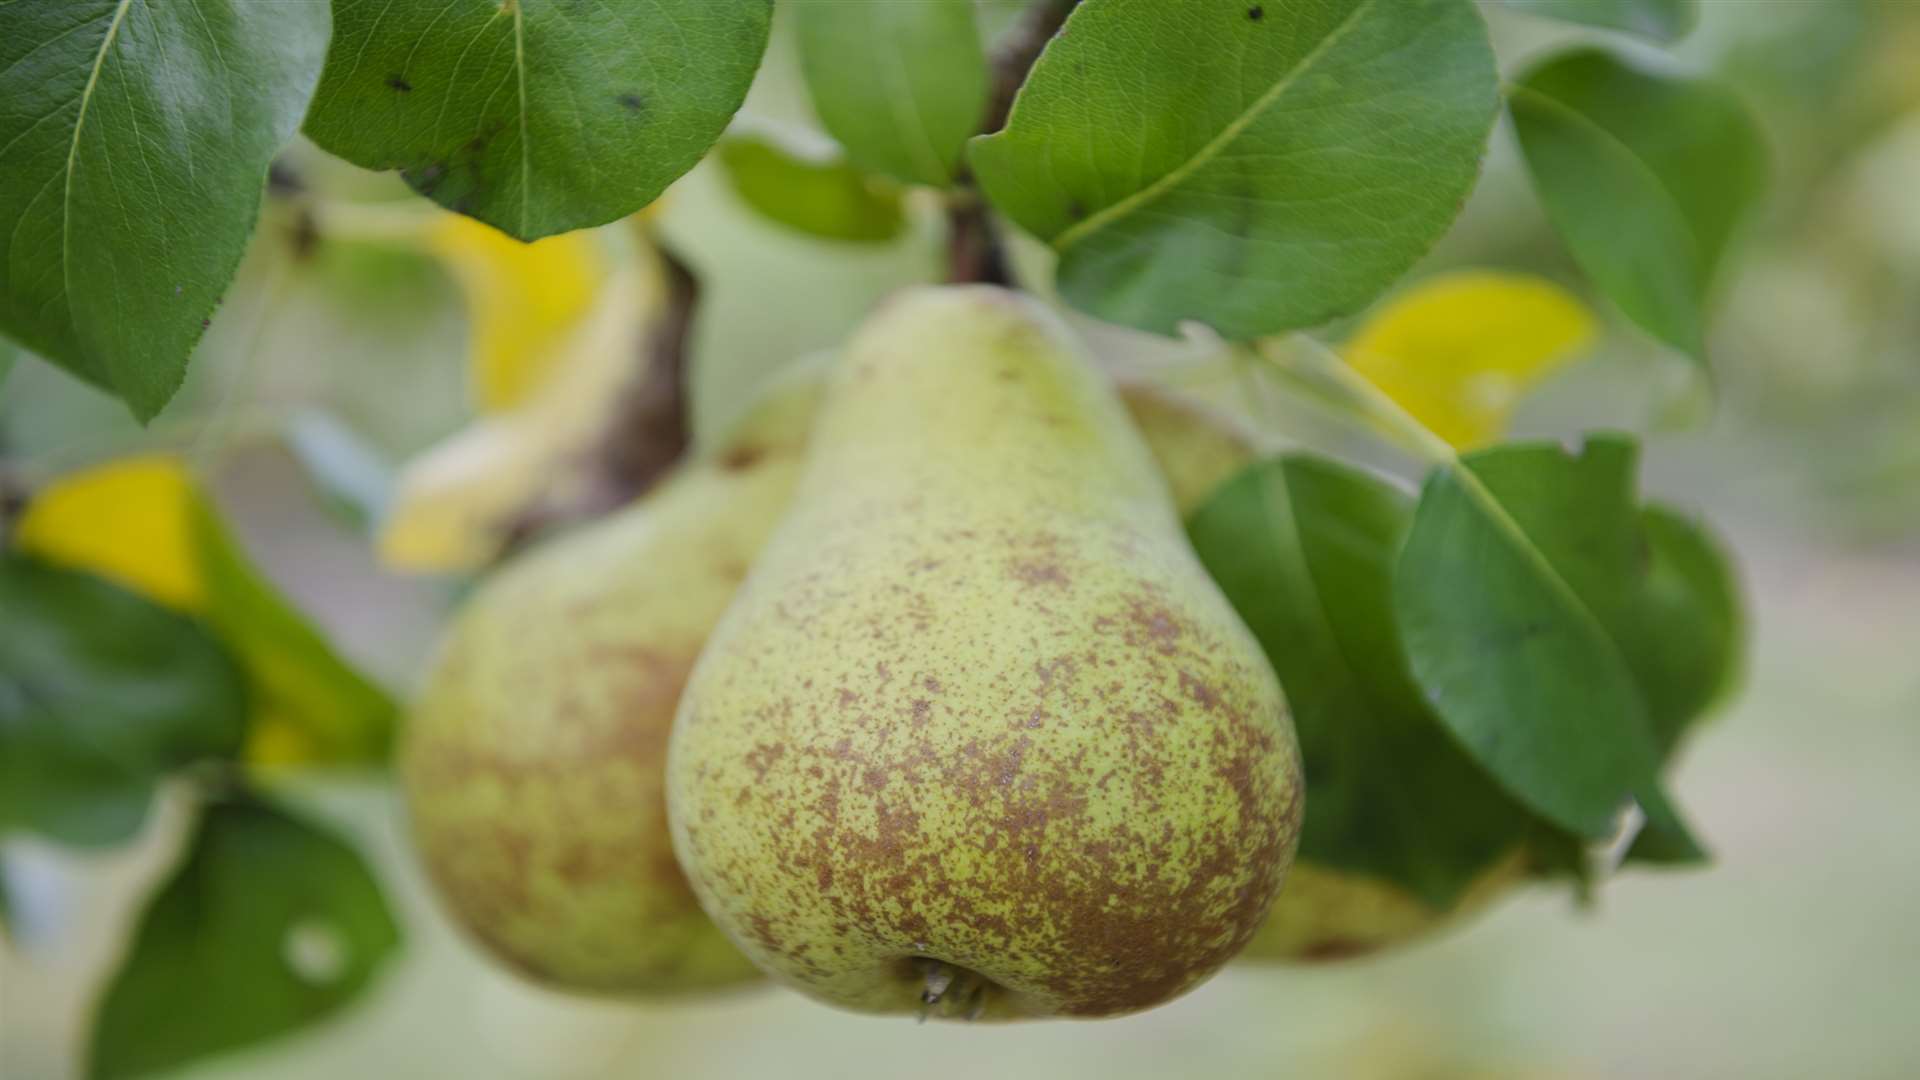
(347, 350)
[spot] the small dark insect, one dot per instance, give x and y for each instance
(1256, 13)
(204, 323)
(1076, 211)
(400, 83)
(630, 102)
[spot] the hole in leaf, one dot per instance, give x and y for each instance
(316, 952)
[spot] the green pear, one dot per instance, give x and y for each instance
(529, 757)
(979, 736)
(533, 762)
(1327, 914)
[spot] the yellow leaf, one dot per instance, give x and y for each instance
(523, 301)
(1458, 351)
(128, 521)
(454, 505)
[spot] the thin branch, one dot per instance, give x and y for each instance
(649, 430)
(1018, 52)
(974, 251)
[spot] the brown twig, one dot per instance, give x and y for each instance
(649, 430)
(974, 252)
(1017, 53)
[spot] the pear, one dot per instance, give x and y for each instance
(537, 746)
(533, 762)
(1327, 914)
(979, 736)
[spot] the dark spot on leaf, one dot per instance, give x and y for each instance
(399, 83)
(204, 323)
(631, 102)
(427, 178)
(1256, 13)
(1075, 210)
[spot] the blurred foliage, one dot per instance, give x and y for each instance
(145, 523)
(102, 695)
(1459, 350)
(816, 194)
(272, 921)
(523, 300)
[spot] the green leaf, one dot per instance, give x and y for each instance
(101, 694)
(901, 86)
(312, 705)
(1660, 20)
(134, 143)
(1685, 646)
(1305, 549)
(268, 925)
(1645, 176)
(827, 199)
(1520, 581)
(1257, 167)
(536, 117)
(1689, 652)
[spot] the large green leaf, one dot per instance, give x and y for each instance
(1645, 176)
(269, 924)
(536, 116)
(101, 694)
(1660, 20)
(901, 86)
(134, 143)
(829, 199)
(1519, 594)
(1255, 167)
(1305, 549)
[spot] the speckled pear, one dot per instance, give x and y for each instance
(979, 736)
(534, 761)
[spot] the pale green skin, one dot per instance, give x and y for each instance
(1327, 915)
(979, 713)
(529, 756)
(533, 763)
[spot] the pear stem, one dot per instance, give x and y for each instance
(974, 250)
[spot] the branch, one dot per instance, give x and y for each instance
(649, 430)
(974, 253)
(1017, 53)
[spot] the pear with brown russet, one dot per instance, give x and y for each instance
(979, 736)
(535, 756)
(534, 760)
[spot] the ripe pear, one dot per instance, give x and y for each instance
(533, 763)
(537, 747)
(979, 736)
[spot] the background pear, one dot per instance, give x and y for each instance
(1327, 914)
(533, 761)
(980, 735)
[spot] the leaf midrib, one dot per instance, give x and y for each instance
(1101, 218)
(1607, 138)
(73, 145)
(520, 72)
